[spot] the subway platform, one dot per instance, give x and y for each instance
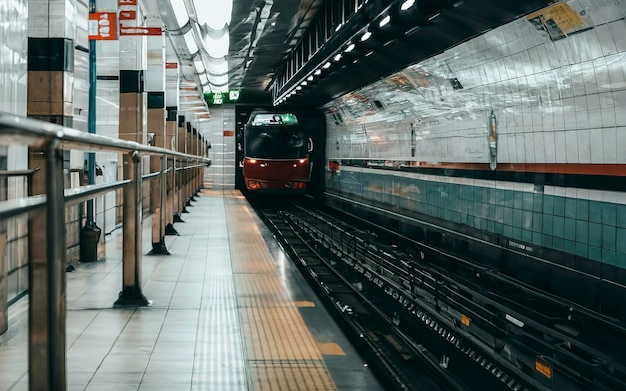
(229, 312)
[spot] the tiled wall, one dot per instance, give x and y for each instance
(221, 174)
(587, 223)
(13, 85)
(554, 100)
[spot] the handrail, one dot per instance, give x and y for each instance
(17, 207)
(47, 265)
(15, 129)
(83, 193)
(12, 173)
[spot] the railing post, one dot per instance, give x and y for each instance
(177, 195)
(47, 308)
(158, 214)
(163, 203)
(169, 204)
(185, 187)
(131, 295)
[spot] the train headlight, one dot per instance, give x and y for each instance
(302, 161)
(252, 161)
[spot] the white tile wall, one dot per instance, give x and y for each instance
(542, 91)
(13, 52)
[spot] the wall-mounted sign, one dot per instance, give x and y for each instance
(102, 26)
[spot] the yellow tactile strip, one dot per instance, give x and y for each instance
(281, 352)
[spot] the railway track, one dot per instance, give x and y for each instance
(430, 320)
(393, 356)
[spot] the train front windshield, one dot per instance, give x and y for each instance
(275, 136)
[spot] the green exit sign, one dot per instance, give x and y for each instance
(218, 98)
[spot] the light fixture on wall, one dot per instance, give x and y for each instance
(493, 141)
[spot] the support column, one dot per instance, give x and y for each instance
(133, 120)
(4, 288)
(180, 142)
(201, 152)
(194, 171)
(191, 131)
(171, 130)
(198, 169)
(185, 173)
(155, 85)
(50, 98)
(131, 294)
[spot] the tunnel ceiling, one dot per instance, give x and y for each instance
(264, 33)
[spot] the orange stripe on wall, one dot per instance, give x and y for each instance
(551, 168)
(229, 133)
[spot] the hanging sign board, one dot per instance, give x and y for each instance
(134, 30)
(128, 20)
(128, 9)
(102, 26)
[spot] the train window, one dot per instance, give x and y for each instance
(269, 119)
(275, 136)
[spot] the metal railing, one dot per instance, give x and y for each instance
(47, 293)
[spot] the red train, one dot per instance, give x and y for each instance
(277, 153)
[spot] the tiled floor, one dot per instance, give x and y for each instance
(229, 312)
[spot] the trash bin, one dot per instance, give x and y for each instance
(89, 238)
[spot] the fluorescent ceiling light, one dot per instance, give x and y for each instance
(317, 72)
(217, 43)
(199, 66)
(407, 4)
(214, 13)
(349, 48)
(180, 12)
(385, 20)
(337, 57)
(217, 66)
(190, 42)
(366, 36)
(310, 78)
(298, 88)
(338, 27)
(434, 16)
(218, 80)
(326, 66)
(304, 83)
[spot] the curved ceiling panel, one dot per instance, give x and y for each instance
(216, 42)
